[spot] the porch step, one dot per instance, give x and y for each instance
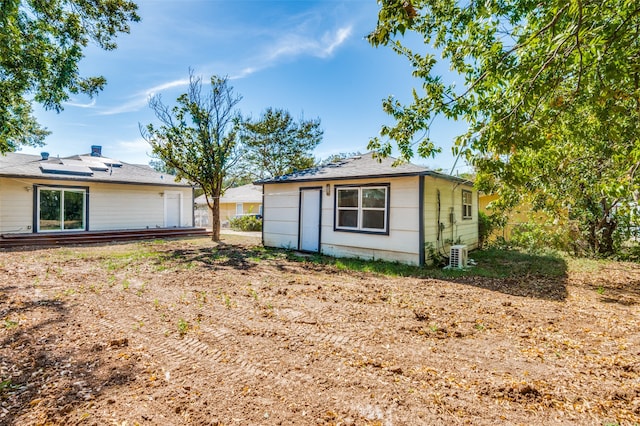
(93, 237)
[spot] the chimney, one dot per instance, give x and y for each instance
(44, 155)
(96, 151)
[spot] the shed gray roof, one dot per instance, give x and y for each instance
(359, 167)
(241, 194)
(83, 168)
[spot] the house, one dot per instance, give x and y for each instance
(365, 208)
(239, 201)
(42, 194)
(519, 217)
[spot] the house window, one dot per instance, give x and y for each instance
(362, 209)
(239, 209)
(466, 204)
(61, 209)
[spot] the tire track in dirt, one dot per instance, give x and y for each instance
(232, 367)
(222, 351)
(304, 326)
(189, 350)
(245, 342)
(299, 327)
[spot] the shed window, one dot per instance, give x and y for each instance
(467, 204)
(362, 209)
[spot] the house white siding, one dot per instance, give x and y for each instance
(133, 206)
(16, 205)
(402, 243)
(111, 206)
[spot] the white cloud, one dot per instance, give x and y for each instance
(294, 45)
(134, 151)
(141, 99)
(335, 41)
(299, 45)
(287, 47)
(244, 73)
(164, 86)
(81, 105)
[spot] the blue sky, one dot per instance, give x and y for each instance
(308, 57)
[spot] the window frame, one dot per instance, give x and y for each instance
(360, 209)
(37, 213)
(467, 208)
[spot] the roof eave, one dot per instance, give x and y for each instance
(79, 178)
(372, 176)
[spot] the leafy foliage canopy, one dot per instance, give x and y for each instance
(41, 44)
(550, 96)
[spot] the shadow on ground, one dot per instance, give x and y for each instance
(509, 272)
(223, 255)
(518, 274)
(44, 377)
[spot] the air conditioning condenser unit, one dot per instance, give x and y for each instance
(458, 256)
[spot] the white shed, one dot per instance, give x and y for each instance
(365, 208)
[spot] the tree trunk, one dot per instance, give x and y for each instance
(606, 246)
(215, 220)
(601, 237)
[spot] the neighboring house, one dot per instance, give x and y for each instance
(42, 194)
(239, 201)
(523, 214)
(360, 207)
(520, 215)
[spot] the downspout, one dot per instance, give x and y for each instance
(421, 255)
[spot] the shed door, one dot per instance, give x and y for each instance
(310, 204)
(172, 209)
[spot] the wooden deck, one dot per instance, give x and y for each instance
(54, 239)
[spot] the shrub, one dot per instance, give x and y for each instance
(541, 237)
(248, 223)
(486, 225)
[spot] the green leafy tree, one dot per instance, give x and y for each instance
(550, 95)
(334, 158)
(586, 173)
(198, 137)
(41, 44)
(276, 145)
(160, 166)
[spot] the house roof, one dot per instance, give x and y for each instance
(84, 168)
(359, 167)
(249, 193)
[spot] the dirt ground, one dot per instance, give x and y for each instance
(187, 332)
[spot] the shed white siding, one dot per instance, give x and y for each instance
(281, 210)
(443, 205)
(280, 215)
(111, 206)
(402, 243)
